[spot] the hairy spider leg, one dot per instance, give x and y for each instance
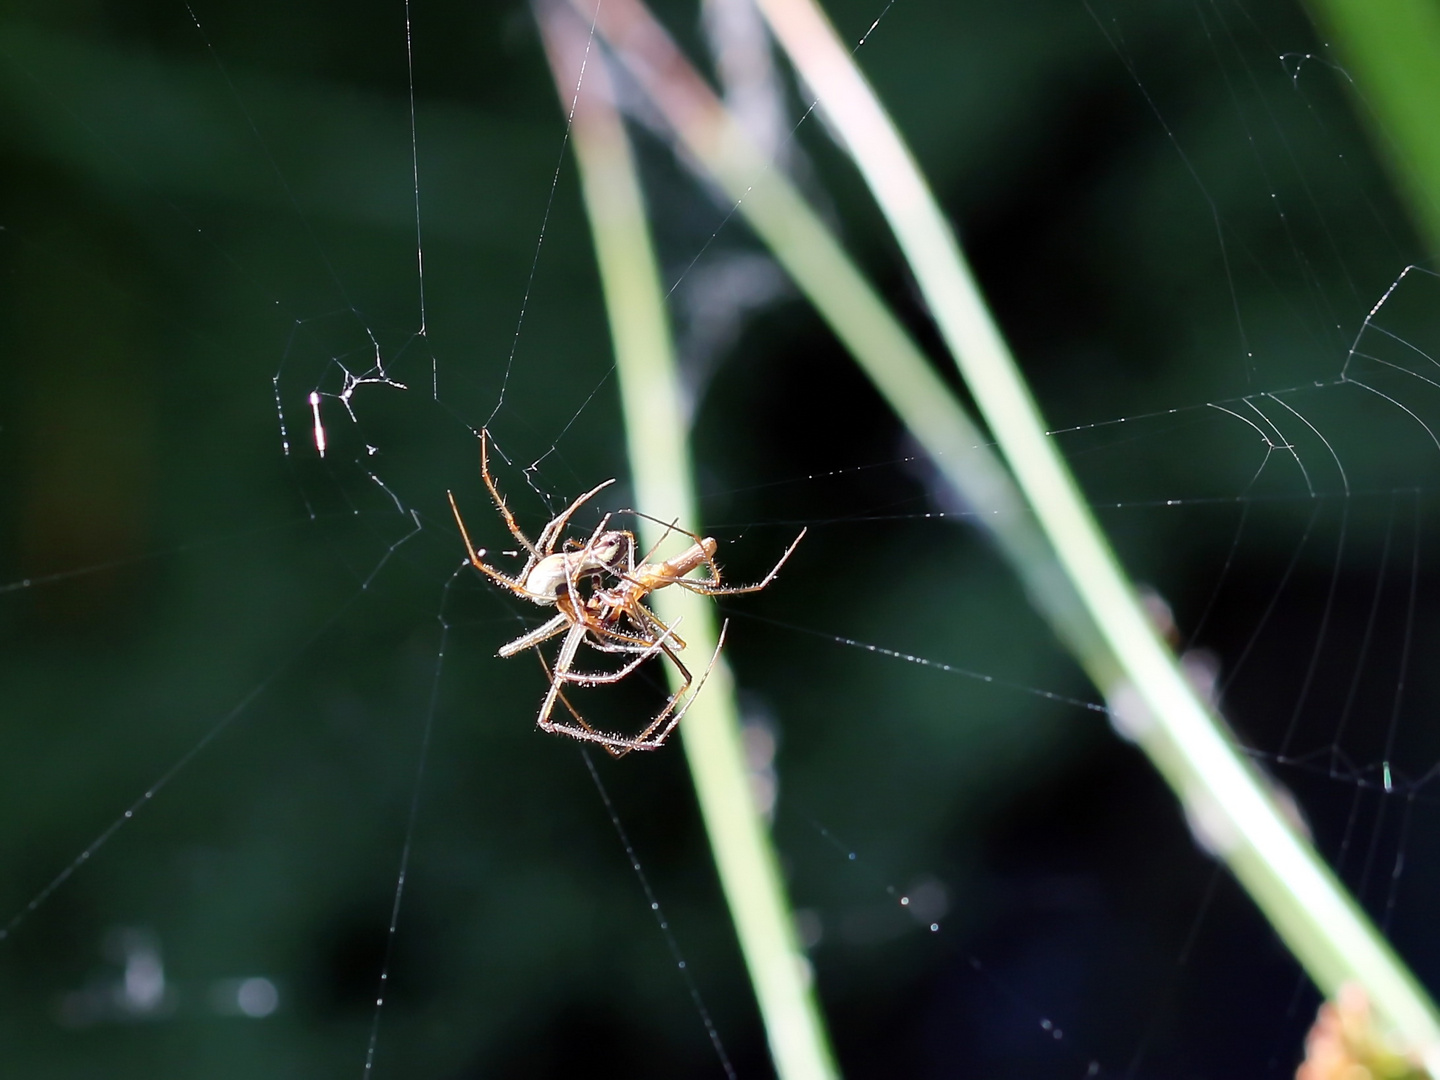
(599, 615)
(570, 615)
(585, 732)
(566, 657)
(702, 552)
(608, 605)
(575, 545)
(617, 746)
(499, 499)
(715, 588)
(576, 563)
(541, 634)
(575, 620)
(475, 560)
(534, 638)
(673, 526)
(647, 739)
(548, 537)
(564, 569)
(545, 543)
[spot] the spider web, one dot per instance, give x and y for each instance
(248, 682)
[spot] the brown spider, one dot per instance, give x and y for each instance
(610, 619)
(545, 569)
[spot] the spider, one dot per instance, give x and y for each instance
(611, 619)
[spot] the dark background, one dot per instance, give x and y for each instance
(1168, 204)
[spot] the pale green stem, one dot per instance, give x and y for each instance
(815, 260)
(651, 396)
(1391, 53)
(1229, 804)
(1225, 798)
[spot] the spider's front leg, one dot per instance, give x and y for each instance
(473, 554)
(499, 499)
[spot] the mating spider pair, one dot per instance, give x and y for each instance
(611, 617)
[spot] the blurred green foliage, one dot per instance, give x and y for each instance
(1389, 54)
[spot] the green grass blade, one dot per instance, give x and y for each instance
(1230, 806)
(1391, 52)
(815, 260)
(660, 465)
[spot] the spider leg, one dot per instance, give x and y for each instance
(499, 499)
(660, 717)
(606, 678)
(564, 620)
(670, 716)
(473, 554)
(600, 645)
(673, 526)
(551, 533)
(563, 659)
(696, 539)
(600, 612)
(670, 526)
(584, 732)
(646, 621)
(538, 550)
(648, 628)
(538, 636)
(713, 587)
(614, 745)
(585, 559)
(590, 561)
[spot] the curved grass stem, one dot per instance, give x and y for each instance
(1070, 573)
(1230, 806)
(657, 440)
